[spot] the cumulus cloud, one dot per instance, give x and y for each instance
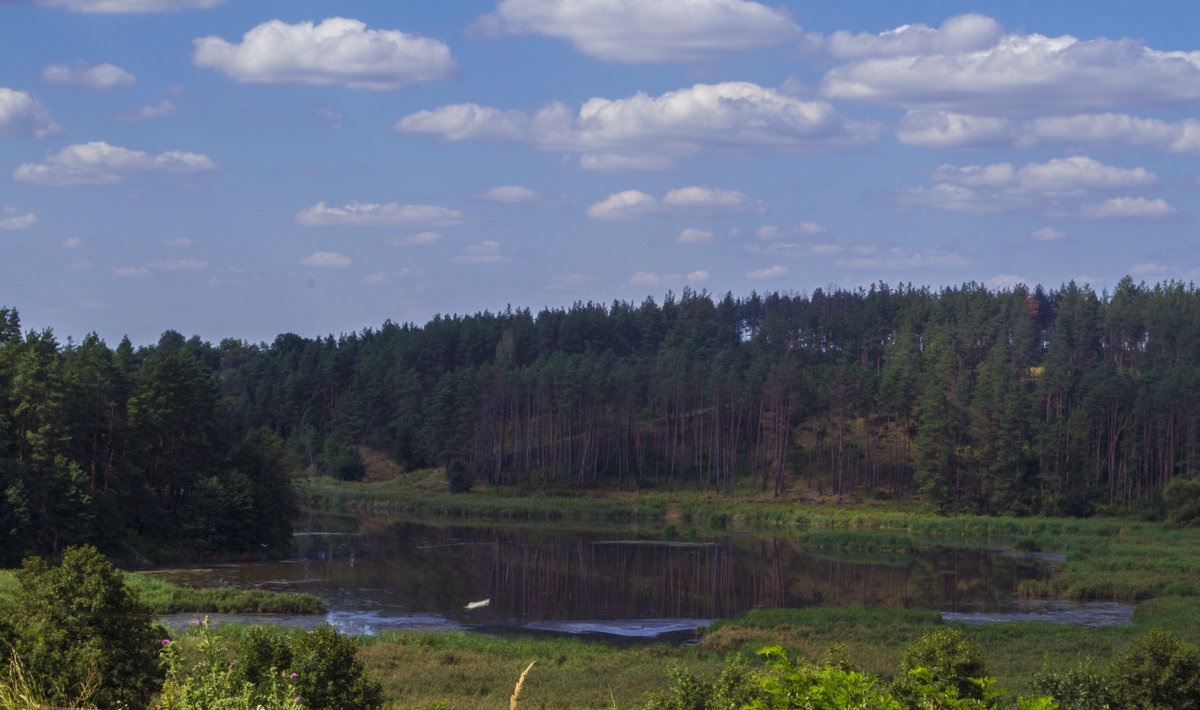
(72, 243)
(1154, 271)
(945, 129)
(697, 277)
(99, 164)
(327, 260)
(486, 252)
(641, 32)
(365, 214)
(641, 132)
(709, 201)
(645, 278)
(630, 204)
(805, 229)
(970, 65)
(1058, 188)
(771, 272)
(161, 109)
(697, 199)
(383, 277)
(513, 194)
(101, 77)
(1048, 234)
(113, 7)
(336, 51)
(11, 218)
(901, 258)
(415, 240)
(179, 265)
(691, 235)
(23, 115)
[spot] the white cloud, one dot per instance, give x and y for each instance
(124, 6)
(415, 240)
(336, 51)
(641, 32)
(691, 235)
(968, 65)
(1058, 188)
(645, 278)
(945, 129)
(98, 164)
(1127, 208)
(365, 214)
(23, 115)
(964, 33)
(1008, 281)
(486, 252)
(734, 119)
(608, 163)
(772, 272)
(125, 272)
(805, 229)
(794, 250)
(161, 109)
(1048, 234)
(902, 258)
(630, 204)
(386, 278)
(10, 218)
(327, 260)
(698, 276)
(179, 265)
(179, 242)
(101, 76)
(72, 243)
(709, 201)
(696, 199)
(1154, 271)
(509, 193)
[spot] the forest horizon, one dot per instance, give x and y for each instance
(1014, 401)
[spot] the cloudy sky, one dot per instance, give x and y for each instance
(232, 168)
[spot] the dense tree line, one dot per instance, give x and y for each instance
(996, 401)
(131, 450)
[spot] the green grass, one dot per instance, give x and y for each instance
(167, 598)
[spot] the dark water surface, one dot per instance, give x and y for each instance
(385, 574)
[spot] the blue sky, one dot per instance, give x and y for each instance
(240, 169)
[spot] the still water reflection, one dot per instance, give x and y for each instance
(380, 574)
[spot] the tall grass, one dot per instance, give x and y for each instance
(168, 598)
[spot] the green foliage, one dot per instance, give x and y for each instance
(733, 689)
(951, 660)
(215, 683)
(347, 465)
(459, 477)
(1156, 672)
(1182, 499)
(1080, 688)
(78, 625)
(328, 671)
(805, 686)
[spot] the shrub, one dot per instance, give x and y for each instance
(1081, 688)
(328, 672)
(80, 626)
(1157, 671)
(215, 683)
(459, 477)
(348, 466)
(732, 689)
(951, 660)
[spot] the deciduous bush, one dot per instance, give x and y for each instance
(952, 661)
(1157, 671)
(80, 626)
(328, 671)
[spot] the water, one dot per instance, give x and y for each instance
(381, 575)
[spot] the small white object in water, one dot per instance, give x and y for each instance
(477, 605)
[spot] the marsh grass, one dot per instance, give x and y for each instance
(470, 671)
(168, 598)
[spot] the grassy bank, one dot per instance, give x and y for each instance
(167, 598)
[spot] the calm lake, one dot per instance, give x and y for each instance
(381, 574)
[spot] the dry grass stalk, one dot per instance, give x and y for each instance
(512, 702)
